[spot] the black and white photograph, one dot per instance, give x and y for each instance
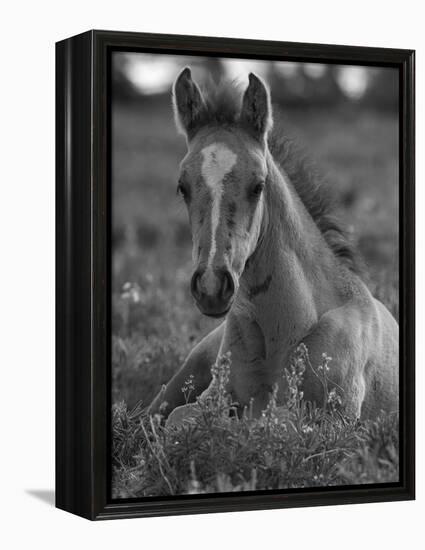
(211, 236)
(254, 292)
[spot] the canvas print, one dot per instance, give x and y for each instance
(254, 275)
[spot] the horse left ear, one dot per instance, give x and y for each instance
(189, 105)
(256, 113)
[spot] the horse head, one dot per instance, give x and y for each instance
(223, 180)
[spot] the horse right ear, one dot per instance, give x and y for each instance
(189, 105)
(256, 112)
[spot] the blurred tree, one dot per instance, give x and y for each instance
(300, 85)
(123, 88)
(383, 91)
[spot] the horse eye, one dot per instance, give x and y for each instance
(257, 189)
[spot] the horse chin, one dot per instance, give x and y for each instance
(218, 315)
(214, 314)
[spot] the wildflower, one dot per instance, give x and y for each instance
(188, 387)
(307, 429)
(131, 292)
(164, 404)
(157, 418)
(334, 398)
(221, 374)
(217, 402)
(325, 364)
(294, 375)
(269, 413)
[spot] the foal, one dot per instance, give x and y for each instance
(266, 259)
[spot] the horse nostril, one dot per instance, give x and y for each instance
(195, 285)
(227, 286)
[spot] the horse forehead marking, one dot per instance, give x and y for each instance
(217, 161)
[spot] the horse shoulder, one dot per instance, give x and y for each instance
(345, 329)
(361, 321)
(344, 334)
(361, 337)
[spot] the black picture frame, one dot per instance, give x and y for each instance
(83, 260)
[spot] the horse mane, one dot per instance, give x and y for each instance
(222, 101)
(223, 104)
(316, 195)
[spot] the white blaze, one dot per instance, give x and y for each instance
(218, 161)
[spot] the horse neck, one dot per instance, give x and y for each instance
(293, 277)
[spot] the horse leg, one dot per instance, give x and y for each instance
(198, 364)
(251, 380)
(382, 369)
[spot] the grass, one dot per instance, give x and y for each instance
(155, 323)
(211, 450)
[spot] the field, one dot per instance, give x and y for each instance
(155, 322)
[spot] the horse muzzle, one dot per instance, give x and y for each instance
(213, 290)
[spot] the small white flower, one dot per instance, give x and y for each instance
(307, 429)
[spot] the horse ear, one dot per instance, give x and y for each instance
(256, 113)
(189, 105)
